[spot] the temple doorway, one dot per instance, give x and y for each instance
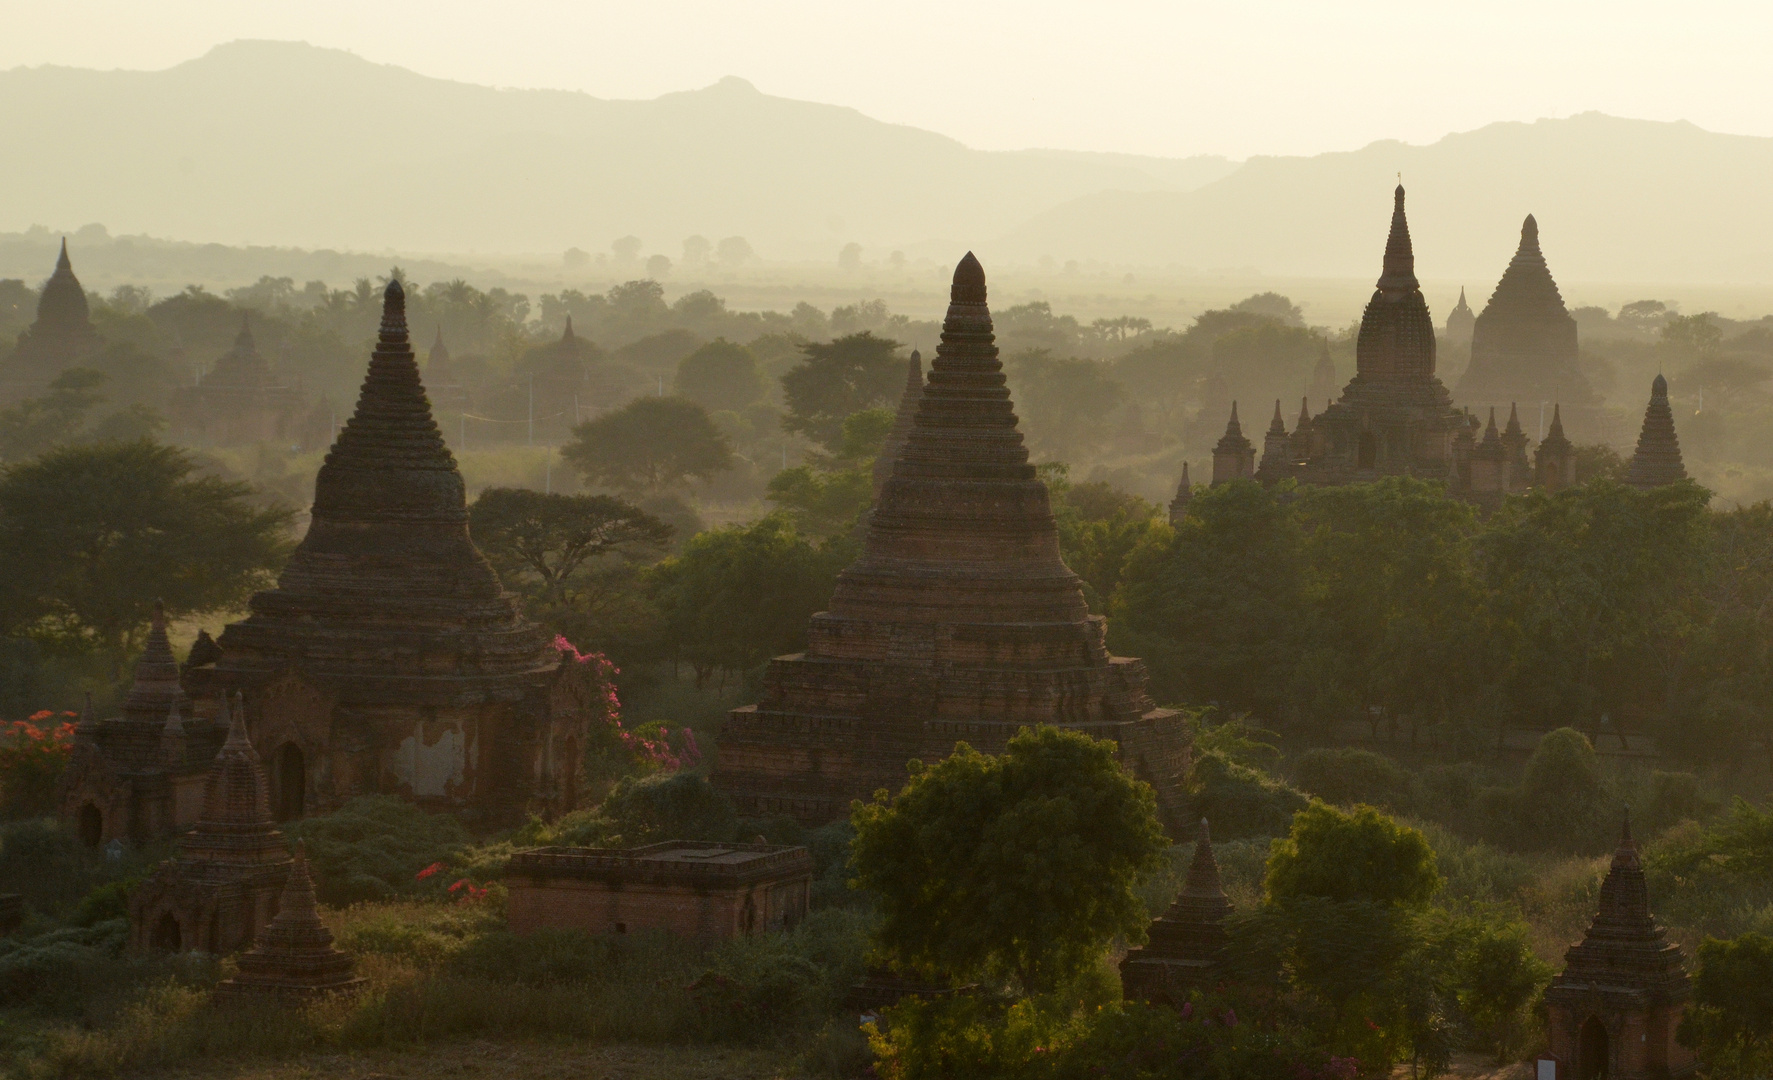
(166, 934)
(292, 782)
(1369, 451)
(1591, 1052)
(91, 825)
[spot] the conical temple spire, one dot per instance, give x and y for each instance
(903, 420)
(1556, 431)
(156, 687)
(1400, 258)
(1304, 412)
(1490, 432)
(294, 958)
(1184, 493)
(1514, 419)
(1232, 427)
(1658, 457)
(1277, 426)
(234, 794)
(568, 334)
(62, 262)
(1203, 871)
(1529, 235)
(243, 341)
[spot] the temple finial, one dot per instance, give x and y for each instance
(969, 281)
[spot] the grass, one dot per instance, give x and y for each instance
(487, 1060)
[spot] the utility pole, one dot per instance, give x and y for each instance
(532, 410)
(462, 425)
(548, 482)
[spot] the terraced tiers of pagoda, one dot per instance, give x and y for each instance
(959, 621)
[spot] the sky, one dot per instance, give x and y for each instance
(1175, 78)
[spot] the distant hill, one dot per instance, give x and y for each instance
(283, 143)
(1616, 200)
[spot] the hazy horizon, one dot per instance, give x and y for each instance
(1234, 80)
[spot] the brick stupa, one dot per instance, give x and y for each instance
(1658, 457)
(223, 884)
(389, 658)
(139, 776)
(293, 960)
(1616, 1006)
(1186, 942)
(959, 621)
(240, 400)
(1523, 344)
(903, 420)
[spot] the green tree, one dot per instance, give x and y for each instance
(1064, 403)
(1496, 978)
(1023, 865)
(91, 536)
(1215, 605)
(829, 494)
(1099, 526)
(720, 375)
(838, 378)
(649, 445)
(738, 596)
(36, 424)
(1730, 1023)
(552, 536)
(1359, 854)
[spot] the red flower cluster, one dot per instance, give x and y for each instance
(469, 891)
(33, 754)
(428, 871)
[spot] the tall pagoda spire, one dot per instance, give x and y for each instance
(1658, 457)
(386, 589)
(1523, 345)
(1554, 462)
(156, 687)
(1396, 341)
(1186, 942)
(1234, 456)
(1184, 493)
(903, 420)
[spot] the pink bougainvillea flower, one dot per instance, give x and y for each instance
(428, 871)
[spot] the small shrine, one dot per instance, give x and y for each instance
(1183, 952)
(293, 960)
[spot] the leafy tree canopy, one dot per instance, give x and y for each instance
(1358, 854)
(1025, 864)
(837, 378)
(649, 445)
(720, 375)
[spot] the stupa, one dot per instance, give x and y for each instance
(1394, 417)
(1554, 463)
(293, 960)
(61, 335)
(139, 776)
(959, 621)
(1460, 322)
(1616, 1006)
(1277, 448)
(1184, 493)
(1185, 943)
(903, 420)
(1523, 344)
(389, 658)
(240, 400)
(223, 884)
(1234, 457)
(1657, 460)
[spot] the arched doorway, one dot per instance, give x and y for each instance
(292, 782)
(1369, 451)
(166, 934)
(569, 774)
(91, 825)
(1591, 1051)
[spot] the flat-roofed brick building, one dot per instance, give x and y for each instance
(685, 887)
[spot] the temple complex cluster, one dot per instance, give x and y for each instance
(959, 621)
(240, 400)
(1396, 418)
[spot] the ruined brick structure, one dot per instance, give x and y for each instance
(1523, 344)
(58, 339)
(1657, 460)
(224, 884)
(711, 892)
(1614, 1009)
(389, 658)
(1186, 941)
(139, 776)
(240, 400)
(293, 960)
(959, 621)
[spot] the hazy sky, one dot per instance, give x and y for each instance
(1238, 77)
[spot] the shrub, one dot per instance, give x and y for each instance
(673, 806)
(374, 846)
(44, 862)
(1346, 775)
(1563, 803)
(33, 754)
(1239, 800)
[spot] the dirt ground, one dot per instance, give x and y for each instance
(510, 1061)
(1475, 1067)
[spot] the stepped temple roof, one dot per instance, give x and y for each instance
(1624, 954)
(387, 595)
(1460, 320)
(1658, 457)
(1523, 345)
(235, 827)
(156, 688)
(242, 365)
(959, 620)
(62, 332)
(294, 958)
(1185, 942)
